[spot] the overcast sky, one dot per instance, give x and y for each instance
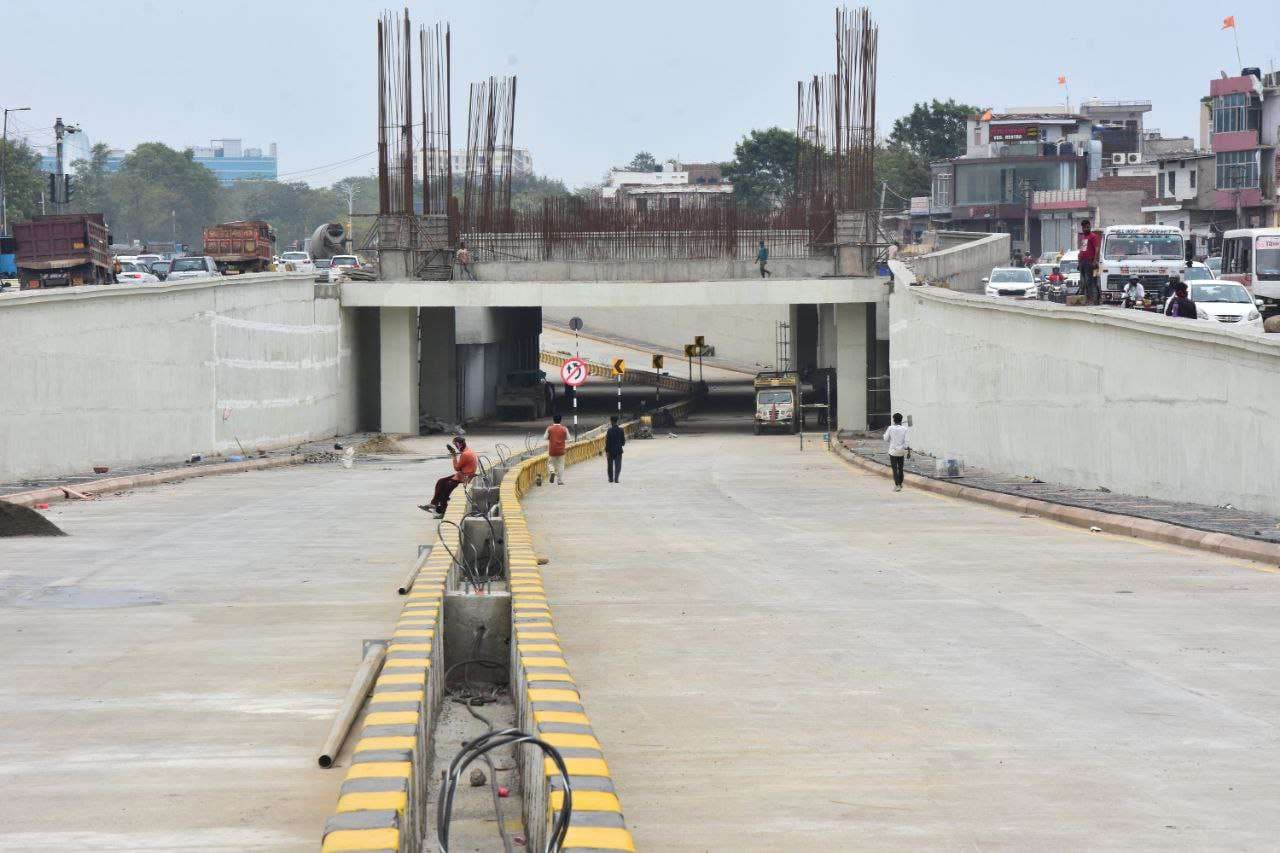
(597, 80)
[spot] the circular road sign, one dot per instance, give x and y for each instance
(574, 372)
(575, 323)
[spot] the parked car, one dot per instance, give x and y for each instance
(341, 263)
(1226, 302)
(135, 273)
(160, 269)
(322, 269)
(193, 266)
(1011, 281)
(300, 261)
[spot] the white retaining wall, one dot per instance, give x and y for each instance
(1137, 403)
(964, 266)
(125, 375)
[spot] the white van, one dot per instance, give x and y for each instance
(1156, 254)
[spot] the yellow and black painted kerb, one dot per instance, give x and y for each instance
(547, 699)
(383, 798)
(384, 794)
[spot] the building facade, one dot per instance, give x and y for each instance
(226, 158)
(1244, 120)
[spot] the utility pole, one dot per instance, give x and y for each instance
(59, 131)
(351, 202)
(4, 169)
(173, 217)
(1026, 215)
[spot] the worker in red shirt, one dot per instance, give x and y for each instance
(464, 470)
(556, 437)
(1090, 246)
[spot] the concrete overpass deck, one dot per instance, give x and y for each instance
(780, 653)
(610, 294)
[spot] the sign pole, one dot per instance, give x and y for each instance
(619, 395)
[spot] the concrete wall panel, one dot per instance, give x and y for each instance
(118, 376)
(1133, 402)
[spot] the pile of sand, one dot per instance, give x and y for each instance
(23, 521)
(380, 443)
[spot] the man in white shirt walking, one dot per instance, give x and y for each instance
(896, 437)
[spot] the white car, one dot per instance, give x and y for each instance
(194, 266)
(340, 264)
(1017, 282)
(135, 273)
(1197, 272)
(300, 261)
(147, 260)
(1226, 302)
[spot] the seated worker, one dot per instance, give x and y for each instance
(464, 469)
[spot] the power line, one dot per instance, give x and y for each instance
(327, 166)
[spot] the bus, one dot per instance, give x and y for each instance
(1251, 256)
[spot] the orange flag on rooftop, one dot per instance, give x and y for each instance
(1229, 22)
(986, 116)
(1062, 81)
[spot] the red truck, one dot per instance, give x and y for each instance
(237, 247)
(63, 250)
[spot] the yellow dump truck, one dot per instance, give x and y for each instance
(777, 402)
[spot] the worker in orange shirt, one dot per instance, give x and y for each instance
(556, 437)
(464, 469)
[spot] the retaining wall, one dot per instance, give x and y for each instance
(964, 266)
(1088, 397)
(124, 375)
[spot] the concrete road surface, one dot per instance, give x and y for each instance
(171, 667)
(780, 653)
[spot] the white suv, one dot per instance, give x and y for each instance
(340, 264)
(1017, 282)
(194, 266)
(300, 261)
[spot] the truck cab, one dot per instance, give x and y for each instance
(777, 402)
(1156, 254)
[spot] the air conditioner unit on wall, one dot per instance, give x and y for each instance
(1135, 157)
(1117, 159)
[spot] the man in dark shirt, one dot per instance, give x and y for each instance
(614, 439)
(1181, 305)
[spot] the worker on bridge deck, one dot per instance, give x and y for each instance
(464, 469)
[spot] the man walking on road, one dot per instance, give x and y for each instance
(556, 437)
(896, 437)
(762, 258)
(464, 469)
(1090, 243)
(614, 439)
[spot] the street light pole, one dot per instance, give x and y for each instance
(4, 169)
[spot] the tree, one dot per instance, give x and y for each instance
(23, 181)
(528, 191)
(92, 188)
(763, 168)
(293, 209)
(159, 192)
(933, 131)
(904, 172)
(643, 162)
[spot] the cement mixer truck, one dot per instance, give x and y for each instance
(327, 240)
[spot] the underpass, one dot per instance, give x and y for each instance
(781, 653)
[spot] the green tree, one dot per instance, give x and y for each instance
(643, 162)
(92, 188)
(903, 171)
(763, 168)
(528, 191)
(160, 192)
(23, 180)
(933, 131)
(293, 209)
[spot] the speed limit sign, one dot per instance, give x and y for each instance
(574, 372)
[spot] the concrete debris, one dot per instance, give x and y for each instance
(477, 778)
(431, 425)
(320, 456)
(380, 443)
(23, 521)
(1095, 529)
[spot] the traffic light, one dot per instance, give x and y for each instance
(67, 190)
(53, 188)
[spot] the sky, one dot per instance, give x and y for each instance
(598, 81)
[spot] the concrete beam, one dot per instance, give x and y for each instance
(608, 294)
(398, 353)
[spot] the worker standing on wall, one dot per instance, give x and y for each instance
(897, 436)
(614, 439)
(1090, 245)
(556, 437)
(465, 463)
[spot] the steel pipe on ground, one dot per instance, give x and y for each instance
(360, 687)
